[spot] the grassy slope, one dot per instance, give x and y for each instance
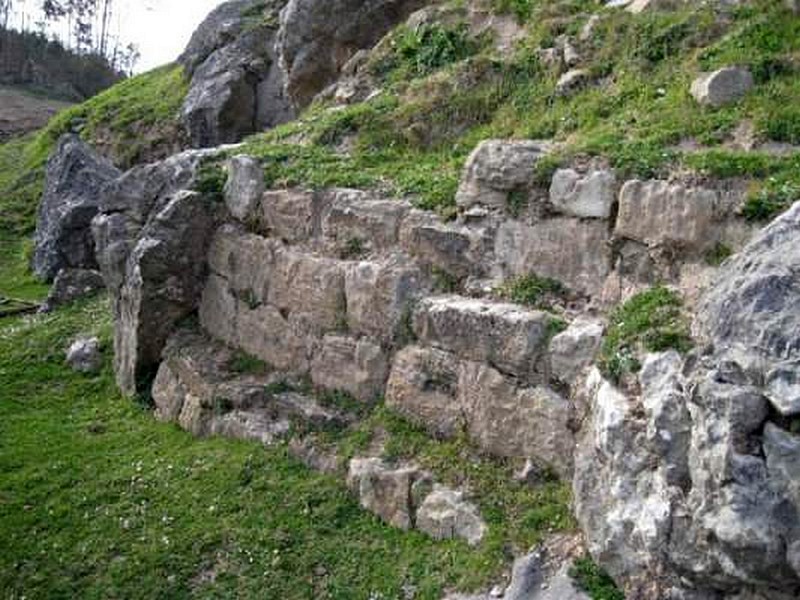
(97, 500)
(415, 137)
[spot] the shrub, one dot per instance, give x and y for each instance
(594, 580)
(651, 321)
(427, 48)
(533, 290)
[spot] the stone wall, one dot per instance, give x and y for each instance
(354, 292)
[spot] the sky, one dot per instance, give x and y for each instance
(160, 28)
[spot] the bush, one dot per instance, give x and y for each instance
(594, 580)
(532, 290)
(650, 321)
(427, 48)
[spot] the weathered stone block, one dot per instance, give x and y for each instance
(573, 251)
(289, 215)
(574, 349)
(497, 167)
(657, 212)
(357, 367)
(507, 336)
(356, 217)
(587, 196)
(507, 420)
(423, 387)
(379, 297)
(246, 260)
(244, 187)
(310, 289)
(452, 248)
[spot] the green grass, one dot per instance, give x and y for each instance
(594, 581)
(16, 279)
(518, 514)
(98, 500)
(534, 291)
(650, 321)
(414, 138)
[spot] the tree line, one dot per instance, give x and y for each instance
(84, 27)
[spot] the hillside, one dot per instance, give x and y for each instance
(496, 298)
(22, 112)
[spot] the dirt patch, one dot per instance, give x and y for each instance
(22, 112)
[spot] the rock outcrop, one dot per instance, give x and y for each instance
(685, 489)
(152, 235)
(75, 178)
(723, 86)
(255, 64)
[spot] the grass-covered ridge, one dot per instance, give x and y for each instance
(415, 136)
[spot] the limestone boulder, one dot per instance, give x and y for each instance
(507, 336)
(392, 493)
(162, 283)
(84, 355)
(572, 81)
(723, 86)
(74, 180)
(445, 514)
(587, 196)
(71, 285)
(495, 169)
(128, 202)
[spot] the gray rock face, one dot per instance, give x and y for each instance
(74, 181)
(723, 86)
(151, 238)
(236, 83)
(163, 281)
(753, 310)
(317, 38)
(357, 367)
(84, 355)
(691, 484)
(495, 169)
(222, 105)
(71, 285)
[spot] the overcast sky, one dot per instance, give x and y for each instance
(160, 28)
